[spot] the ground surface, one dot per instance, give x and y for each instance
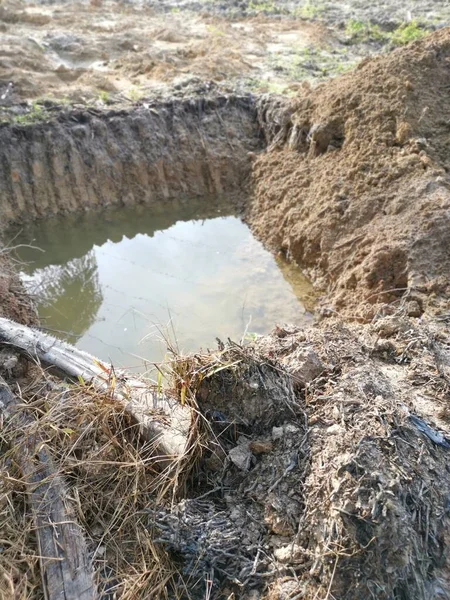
(328, 476)
(113, 52)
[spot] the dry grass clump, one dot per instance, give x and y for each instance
(113, 481)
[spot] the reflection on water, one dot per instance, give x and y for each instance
(55, 284)
(116, 283)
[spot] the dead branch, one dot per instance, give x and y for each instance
(163, 421)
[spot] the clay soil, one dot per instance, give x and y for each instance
(330, 475)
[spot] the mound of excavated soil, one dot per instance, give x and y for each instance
(355, 187)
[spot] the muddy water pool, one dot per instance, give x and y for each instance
(122, 282)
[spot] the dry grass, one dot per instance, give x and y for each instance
(112, 482)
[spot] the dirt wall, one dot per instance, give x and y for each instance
(83, 160)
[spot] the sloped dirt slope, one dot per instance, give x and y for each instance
(355, 187)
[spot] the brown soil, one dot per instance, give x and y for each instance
(355, 187)
(14, 302)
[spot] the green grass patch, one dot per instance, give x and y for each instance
(364, 32)
(407, 33)
(361, 31)
(104, 97)
(268, 7)
(310, 10)
(36, 114)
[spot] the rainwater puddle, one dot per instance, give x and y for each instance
(121, 282)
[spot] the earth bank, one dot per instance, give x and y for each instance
(355, 187)
(330, 474)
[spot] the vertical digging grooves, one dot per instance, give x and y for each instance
(88, 159)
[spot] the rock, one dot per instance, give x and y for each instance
(277, 433)
(413, 309)
(291, 428)
(241, 456)
(10, 362)
(335, 429)
(308, 366)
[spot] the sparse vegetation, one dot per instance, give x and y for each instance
(310, 10)
(104, 97)
(135, 94)
(360, 31)
(215, 31)
(312, 62)
(36, 113)
(268, 6)
(407, 33)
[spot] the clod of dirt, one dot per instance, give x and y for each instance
(355, 187)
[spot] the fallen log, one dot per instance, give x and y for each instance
(162, 421)
(66, 571)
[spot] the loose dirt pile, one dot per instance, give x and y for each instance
(375, 478)
(355, 187)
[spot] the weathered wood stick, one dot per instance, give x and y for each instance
(162, 421)
(66, 571)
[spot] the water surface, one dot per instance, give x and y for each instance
(122, 282)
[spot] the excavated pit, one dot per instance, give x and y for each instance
(137, 221)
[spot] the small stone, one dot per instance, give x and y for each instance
(277, 433)
(241, 456)
(350, 507)
(413, 309)
(10, 362)
(290, 428)
(308, 366)
(335, 429)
